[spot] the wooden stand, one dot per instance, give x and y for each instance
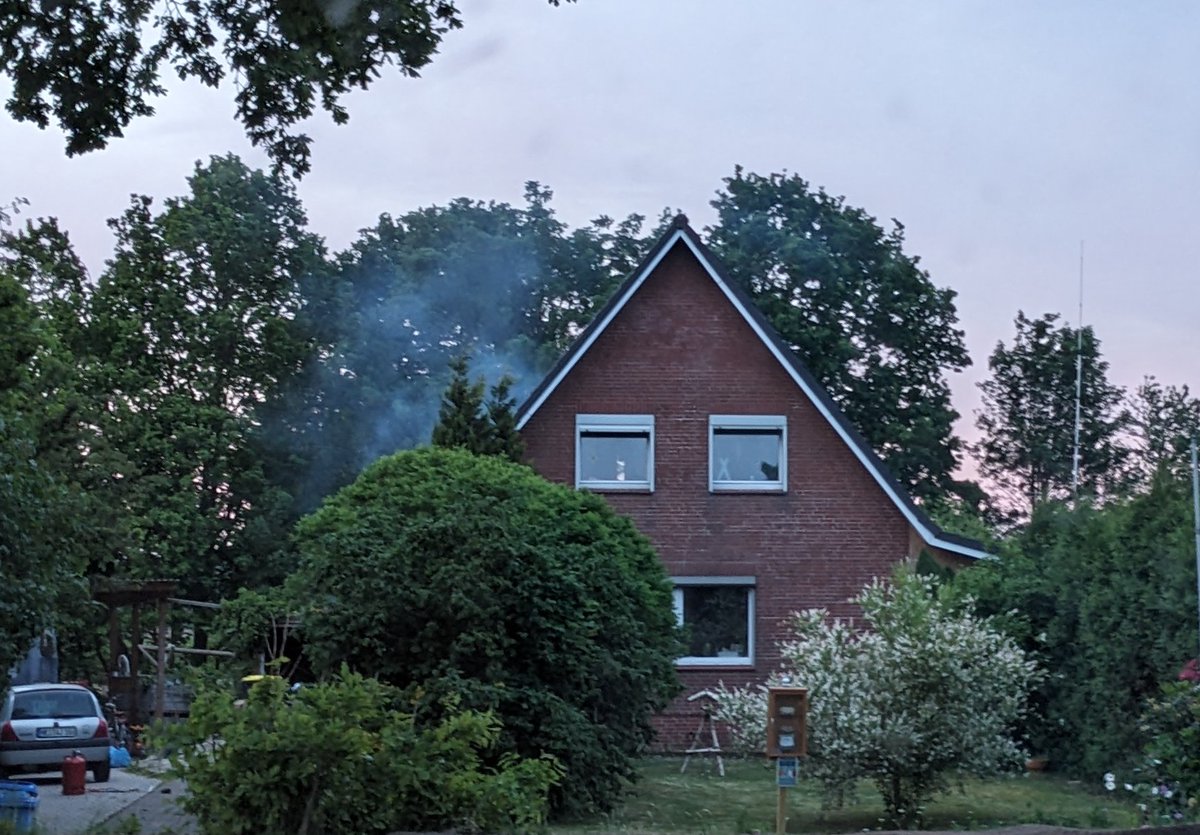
(707, 723)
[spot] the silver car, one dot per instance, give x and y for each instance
(41, 724)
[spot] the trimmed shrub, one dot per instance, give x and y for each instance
(455, 574)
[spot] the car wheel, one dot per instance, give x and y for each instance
(100, 771)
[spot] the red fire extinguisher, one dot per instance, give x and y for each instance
(74, 771)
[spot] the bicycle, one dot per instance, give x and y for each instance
(119, 734)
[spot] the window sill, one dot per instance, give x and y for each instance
(772, 489)
(714, 663)
(613, 487)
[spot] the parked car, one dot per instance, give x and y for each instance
(41, 724)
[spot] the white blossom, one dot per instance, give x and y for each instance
(928, 692)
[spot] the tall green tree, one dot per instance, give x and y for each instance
(197, 320)
(465, 421)
(1163, 421)
(1028, 416)
(94, 67)
(858, 310)
(41, 526)
(1105, 598)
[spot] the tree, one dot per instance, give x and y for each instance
(927, 693)
(861, 313)
(196, 322)
(467, 423)
(1105, 597)
(461, 422)
(39, 523)
(450, 573)
(1028, 416)
(507, 285)
(94, 67)
(1163, 421)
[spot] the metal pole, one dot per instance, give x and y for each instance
(1075, 453)
(1196, 520)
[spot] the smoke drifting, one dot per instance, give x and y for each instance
(506, 286)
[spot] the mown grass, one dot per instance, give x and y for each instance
(744, 800)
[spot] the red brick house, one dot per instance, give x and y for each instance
(682, 405)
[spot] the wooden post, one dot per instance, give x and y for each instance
(781, 812)
(135, 695)
(160, 684)
(114, 639)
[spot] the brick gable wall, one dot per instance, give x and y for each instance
(679, 350)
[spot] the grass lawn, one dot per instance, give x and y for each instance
(700, 801)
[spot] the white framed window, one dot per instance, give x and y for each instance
(614, 452)
(747, 452)
(717, 614)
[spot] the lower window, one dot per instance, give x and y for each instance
(717, 614)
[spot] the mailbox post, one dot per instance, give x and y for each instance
(787, 741)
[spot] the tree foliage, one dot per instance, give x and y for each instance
(348, 756)
(470, 575)
(926, 694)
(94, 67)
(467, 422)
(860, 312)
(1163, 421)
(1028, 416)
(44, 530)
(507, 285)
(197, 320)
(1106, 599)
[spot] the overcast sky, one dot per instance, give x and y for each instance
(1001, 134)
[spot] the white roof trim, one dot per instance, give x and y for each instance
(594, 333)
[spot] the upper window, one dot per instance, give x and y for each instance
(717, 614)
(747, 452)
(614, 452)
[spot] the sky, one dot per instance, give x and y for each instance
(1006, 137)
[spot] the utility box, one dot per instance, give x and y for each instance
(787, 722)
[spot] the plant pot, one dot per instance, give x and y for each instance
(1036, 764)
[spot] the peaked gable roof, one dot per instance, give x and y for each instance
(682, 234)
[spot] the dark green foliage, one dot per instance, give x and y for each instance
(43, 522)
(94, 67)
(1028, 416)
(860, 312)
(1164, 420)
(198, 320)
(1107, 600)
(461, 421)
(347, 756)
(465, 422)
(472, 576)
(504, 440)
(1171, 726)
(506, 285)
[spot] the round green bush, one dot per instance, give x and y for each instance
(472, 577)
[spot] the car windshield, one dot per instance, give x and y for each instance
(53, 704)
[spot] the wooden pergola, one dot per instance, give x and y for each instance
(139, 594)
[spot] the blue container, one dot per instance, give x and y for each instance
(18, 804)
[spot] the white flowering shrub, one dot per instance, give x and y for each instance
(928, 693)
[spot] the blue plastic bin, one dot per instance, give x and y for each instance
(18, 804)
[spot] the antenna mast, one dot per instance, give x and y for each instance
(1078, 381)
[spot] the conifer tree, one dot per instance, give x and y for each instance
(461, 420)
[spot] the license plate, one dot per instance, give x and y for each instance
(54, 733)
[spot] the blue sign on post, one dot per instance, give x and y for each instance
(785, 772)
